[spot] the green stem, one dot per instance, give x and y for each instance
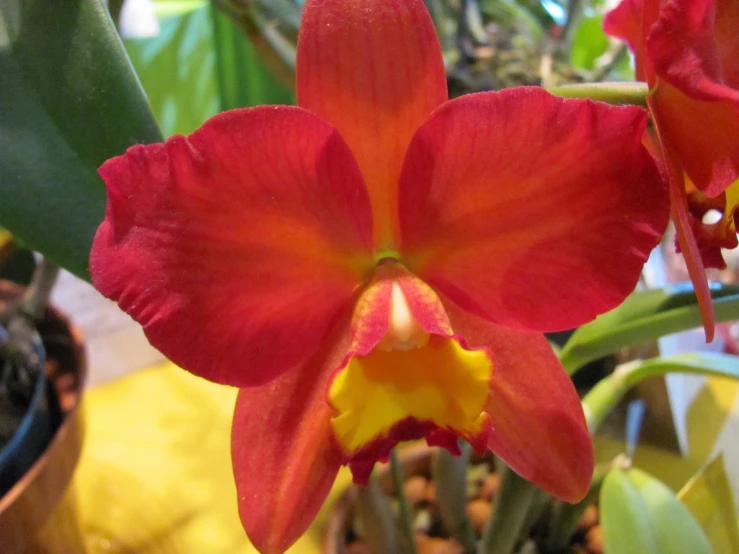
(406, 523)
(509, 515)
(612, 93)
(36, 297)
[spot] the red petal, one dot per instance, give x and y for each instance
(529, 210)
(684, 234)
(236, 247)
(625, 22)
(538, 426)
(374, 71)
(283, 450)
(695, 46)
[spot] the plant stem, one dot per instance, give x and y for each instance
(612, 93)
(509, 516)
(36, 297)
(406, 524)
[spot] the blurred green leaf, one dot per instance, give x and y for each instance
(200, 64)
(644, 316)
(708, 497)
(177, 69)
(243, 79)
(609, 391)
(69, 100)
(640, 515)
(589, 42)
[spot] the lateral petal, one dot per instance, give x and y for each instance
(373, 69)
(236, 247)
(531, 211)
(283, 449)
(538, 426)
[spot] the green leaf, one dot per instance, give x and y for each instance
(177, 71)
(243, 78)
(588, 43)
(643, 317)
(708, 497)
(609, 391)
(69, 100)
(450, 473)
(199, 64)
(640, 515)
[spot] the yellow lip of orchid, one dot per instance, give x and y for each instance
(406, 382)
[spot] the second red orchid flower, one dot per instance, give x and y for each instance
(378, 264)
(688, 53)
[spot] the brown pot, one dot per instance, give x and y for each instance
(27, 505)
(414, 460)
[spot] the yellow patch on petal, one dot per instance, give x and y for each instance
(440, 383)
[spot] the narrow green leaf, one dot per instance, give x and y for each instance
(644, 316)
(604, 396)
(376, 518)
(708, 497)
(69, 100)
(449, 473)
(243, 79)
(640, 515)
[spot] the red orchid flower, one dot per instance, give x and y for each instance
(378, 264)
(688, 53)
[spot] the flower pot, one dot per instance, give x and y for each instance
(30, 500)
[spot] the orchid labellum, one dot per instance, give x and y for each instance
(688, 53)
(378, 264)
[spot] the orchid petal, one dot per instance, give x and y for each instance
(531, 211)
(625, 22)
(373, 69)
(284, 453)
(702, 134)
(538, 426)
(236, 247)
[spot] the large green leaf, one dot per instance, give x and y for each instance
(643, 317)
(68, 101)
(640, 515)
(708, 497)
